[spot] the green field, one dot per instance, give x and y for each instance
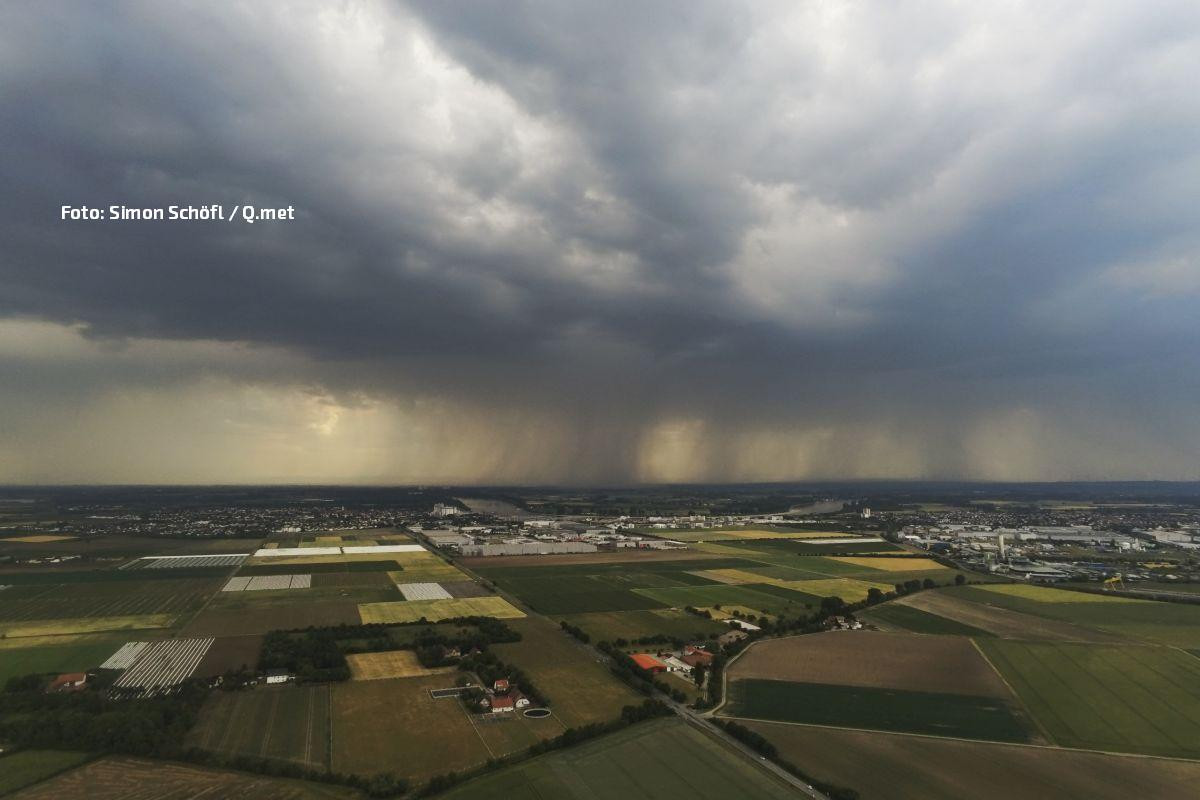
(26, 767)
(76, 657)
(1175, 624)
(107, 599)
(1122, 698)
(938, 714)
(764, 597)
(582, 588)
(907, 618)
(630, 625)
(659, 759)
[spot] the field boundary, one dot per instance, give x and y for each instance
(1019, 701)
(993, 742)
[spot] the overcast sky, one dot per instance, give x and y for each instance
(559, 242)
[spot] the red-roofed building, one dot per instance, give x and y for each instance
(500, 686)
(649, 663)
(68, 682)
(695, 657)
(502, 704)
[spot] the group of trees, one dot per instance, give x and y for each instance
(490, 669)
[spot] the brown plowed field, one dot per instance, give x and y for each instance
(911, 662)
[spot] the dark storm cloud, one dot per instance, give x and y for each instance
(894, 234)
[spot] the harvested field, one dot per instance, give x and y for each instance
(1000, 621)
(63, 627)
(389, 664)
(923, 768)
(892, 564)
(122, 778)
(47, 601)
(286, 723)
(948, 665)
(579, 688)
(936, 713)
(659, 759)
(435, 610)
(1121, 698)
(346, 570)
(229, 653)
(425, 568)
(237, 622)
(410, 733)
(466, 589)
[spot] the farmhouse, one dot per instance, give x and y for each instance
(503, 703)
(695, 657)
(500, 686)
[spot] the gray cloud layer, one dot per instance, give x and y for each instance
(616, 241)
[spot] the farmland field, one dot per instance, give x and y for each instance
(236, 622)
(889, 564)
(999, 621)
(580, 688)
(288, 723)
(122, 778)
(435, 610)
(1174, 624)
(20, 769)
(765, 598)
(73, 657)
(740, 534)
(63, 627)
(893, 616)
(924, 768)
(1122, 698)
(229, 653)
(410, 733)
(389, 664)
(938, 664)
(957, 715)
(104, 599)
(659, 759)
(611, 625)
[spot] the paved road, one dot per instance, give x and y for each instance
(696, 719)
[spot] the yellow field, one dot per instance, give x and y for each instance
(735, 577)
(389, 664)
(1044, 594)
(890, 564)
(63, 627)
(848, 589)
(39, 538)
(754, 533)
(434, 610)
(726, 612)
(426, 569)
